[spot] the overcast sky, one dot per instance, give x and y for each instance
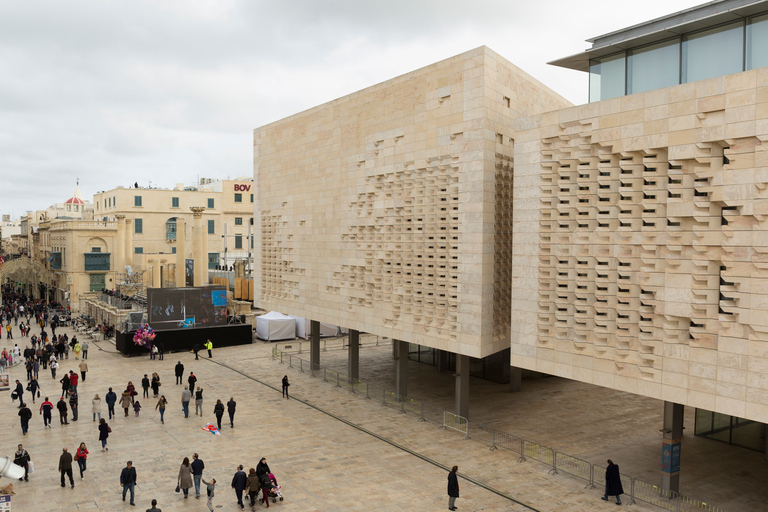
(164, 92)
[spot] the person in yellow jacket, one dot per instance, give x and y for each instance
(209, 347)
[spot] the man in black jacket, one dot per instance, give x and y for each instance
(65, 467)
(61, 405)
(128, 479)
(19, 391)
(238, 484)
(179, 372)
(111, 398)
(22, 458)
(613, 485)
(231, 410)
(25, 414)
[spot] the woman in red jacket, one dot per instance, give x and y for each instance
(80, 456)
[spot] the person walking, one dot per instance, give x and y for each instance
(218, 411)
(238, 484)
(453, 488)
(161, 403)
(73, 378)
(54, 365)
(252, 486)
(160, 351)
(209, 348)
(34, 388)
(104, 431)
(96, 406)
(21, 458)
(65, 467)
(19, 390)
(136, 408)
(262, 467)
(191, 381)
(83, 368)
(210, 488)
(61, 405)
(155, 385)
(179, 370)
(45, 409)
(145, 386)
(231, 405)
(73, 405)
(111, 398)
(154, 507)
(77, 349)
(128, 480)
(131, 390)
(186, 396)
(24, 415)
(613, 485)
(197, 472)
(65, 384)
(84, 348)
(81, 455)
(196, 349)
(199, 401)
(125, 401)
(185, 477)
(285, 386)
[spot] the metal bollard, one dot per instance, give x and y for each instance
(301, 344)
(337, 380)
(301, 366)
(281, 358)
(367, 395)
(290, 361)
(421, 418)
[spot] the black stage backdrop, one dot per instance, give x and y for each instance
(176, 340)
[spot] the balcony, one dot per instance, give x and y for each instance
(55, 260)
(96, 261)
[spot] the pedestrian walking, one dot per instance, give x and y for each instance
(199, 401)
(179, 370)
(77, 349)
(186, 396)
(191, 381)
(21, 458)
(73, 405)
(19, 391)
(209, 348)
(285, 386)
(84, 348)
(65, 385)
(453, 488)
(238, 484)
(185, 477)
(111, 398)
(154, 507)
(24, 415)
(252, 486)
(125, 401)
(136, 408)
(61, 405)
(196, 349)
(81, 455)
(83, 368)
(197, 472)
(210, 488)
(160, 351)
(65, 467)
(145, 385)
(128, 480)
(613, 485)
(45, 409)
(73, 379)
(96, 406)
(161, 403)
(54, 365)
(262, 467)
(155, 384)
(34, 388)
(104, 432)
(218, 411)
(231, 405)
(131, 390)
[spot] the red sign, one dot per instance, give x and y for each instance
(242, 188)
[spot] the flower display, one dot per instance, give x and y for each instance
(144, 336)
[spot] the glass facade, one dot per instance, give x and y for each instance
(757, 42)
(607, 77)
(730, 429)
(653, 67)
(714, 52)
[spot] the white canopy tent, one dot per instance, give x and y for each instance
(303, 328)
(275, 326)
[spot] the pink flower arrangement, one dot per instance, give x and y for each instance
(144, 336)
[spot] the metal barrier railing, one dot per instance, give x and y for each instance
(557, 462)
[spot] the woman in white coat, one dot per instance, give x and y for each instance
(96, 407)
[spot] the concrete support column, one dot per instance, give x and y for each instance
(672, 446)
(462, 385)
(119, 249)
(442, 360)
(515, 379)
(155, 263)
(129, 242)
(314, 345)
(181, 251)
(353, 358)
(205, 253)
(401, 367)
(201, 265)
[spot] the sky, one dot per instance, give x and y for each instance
(160, 93)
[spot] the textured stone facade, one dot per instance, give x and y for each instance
(641, 244)
(389, 210)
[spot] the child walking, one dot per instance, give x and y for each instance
(210, 488)
(136, 408)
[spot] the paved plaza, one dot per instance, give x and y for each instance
(386, 461)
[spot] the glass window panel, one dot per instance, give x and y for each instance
(211, 227)
(653, 67)
(210, 203)
(174, 202)
(136, 200)
(138, 226)
(714, 52)
(757, 42)
(606, 77)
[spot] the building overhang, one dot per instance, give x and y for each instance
(661, 29)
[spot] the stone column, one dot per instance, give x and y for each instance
(181, 250)
(119, 249)
(515, 379)
(197, 252)
(671, 446)
(401, 367)
(353, 358)
(314, 345)
(155, 272)
(205, 253)
(462, 385)
(129, 242)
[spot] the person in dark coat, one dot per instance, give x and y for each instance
(239, 482)
(231, 405)
(111, 398)
(25, 415)
(19, 392)
(179, 369)
(613, 482)
(104, 431)
(218, 411)
(453, 488)
(262, 467)
(61, 405)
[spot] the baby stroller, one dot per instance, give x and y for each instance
(275, 491)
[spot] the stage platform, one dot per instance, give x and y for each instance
(177, 340)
